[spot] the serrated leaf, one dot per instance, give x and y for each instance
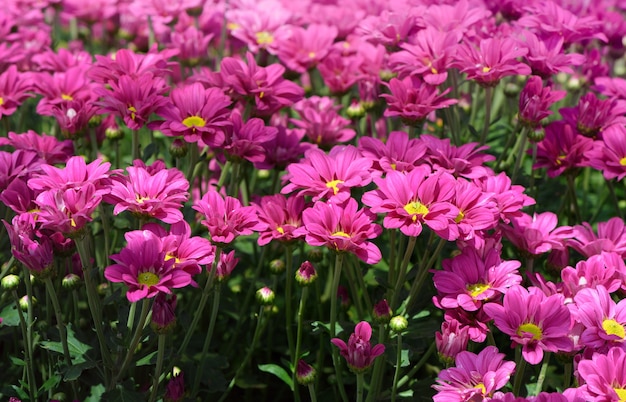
(279, 372)
(10, 316)
(96, 393)
(76, 348)
(17, 361)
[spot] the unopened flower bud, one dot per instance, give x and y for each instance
(356, 109)
(382, 312)
(398, 324)
(265, 296)
(315, 254)
(114, 133)
(511, 90)
(103, 288)
(10, 282)
(306, 274)
(536, 135)
(179, 148)
(163, 315)
(175, 388)
(71, 281)
(305, 373)
(95, 120)
(277, 266)
(24, 302)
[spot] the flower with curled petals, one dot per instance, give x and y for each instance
(359, 353)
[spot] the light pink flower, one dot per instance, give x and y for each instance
(609, 154)
(603, 376)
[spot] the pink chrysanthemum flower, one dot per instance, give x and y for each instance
(143, 267)
(301, 49)
(510, 199)
(197, 113)
(562, 149)
(478, 212)
(19, 164)
(259, 25)
(475, 376)
(359, 353)
(546, 56)
(14, 89)
(391, 27)
(413, 199)
(603, 319)
(286, 148)
(535, 101)
(62, 87)
(128, 63)
(328, 176)
(281, 215)
(19, 197)
(225, 265)
(536, 234)
(611, 237)
(192, 45)
(492, 60)
(451, 341)
(47, 147)
(150, 192)
(593, 115)
(342, 228)
(609, 154)
(469, 280)
(61, 60)
(604, 376)
(247, 140)
(537, 322)
(67, 210)
(340, 72)
(467, 160)
(475, 321)
(605, 269)
(398, 152)
(34, 251)
(321, 121)
(226, 218)
(75, 174)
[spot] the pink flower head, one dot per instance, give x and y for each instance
(75, 174)
(510, 199)
(286, 148)
(35, 252)
(390, 28)
(469, 280)
(19, 197)
(594, 115)
(412, 199)
(398, 152)
(478, 212)
(413, 100)
(226, 265)
(301, 49)
(340, 72)
(62, 87)
(322, 123)
(143, 267)
(604, 376)
(67, 210)
(546, 55)
(536, 234)
(150, 192)
(562, 149)
(342, 228)
(476, 321)
(611, 237)
(226, 218)
(128, 63)
(494, 59)
(19, 164)
(603, 319)
(452, 340)
(537, 322)
(197, 113)
(467, 160)
(359, 354)
(61, 60)
(192, 45)
(605, 269)
(247, 140)
(259, 25)
(609, 154)
(47, 147)
(175, 388)
(535, 101)
(14, 89)
(282, 217)
(328, 176)
(475, 376)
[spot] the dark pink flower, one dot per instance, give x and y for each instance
(61, 87)
(175, 388)
(47, 147)
(546, 56)
(562, 149)
(259, 26)
(476, 322)
(603, 319)
(67, 210)
(286, 148)
(536, 234)
(19, 164)
(467, 160)
(603, 376)
(35, 252)
(281, 215)
(14, 89)
(301, 49)
(535, 101)
(163, 317)
(342, 228)
(510, 199)
(134, 65)
(340, 72)
(605, 269)
(451, 341)
(593, 115)
(191, 44)
(610, 237)
(226, 265)
(390, 27)
(359, 354)
(478, 212)
(609, 154)
(247, 140)
(321, 121)
(75, 174)
(398, 152)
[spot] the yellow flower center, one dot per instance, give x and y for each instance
(333, 184)
(312, 55)
(141, 200)
(280, 230)
(481, 387)
(67, 97)
(1, 101)
(530, 328)
(459, 217)
(133, 112)
(264, 38)
(147, 278)
(486, 69)
(612, 327)
(621, 394)
(194, 121)
(477, 288)
(232, 25)
(560, 159)
(341, 233)
(621, 161)
(393, 166)
(415, 208)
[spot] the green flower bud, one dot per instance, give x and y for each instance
(398, 324)
(265, 296)
(10, 282)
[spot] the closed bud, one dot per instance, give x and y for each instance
(536, 135)
(305, 373)
(265, 296)
(179, 148)
(306, 274)
(71, 281)
(315, 254)
(356, 109)
(398, 324)
(382, 312)
(95, 120)
(23, 302)
(114, 134)
(10, 282)
(163, 315)
(277, 266)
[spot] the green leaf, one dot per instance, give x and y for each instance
(74, 372)
(50, 383)
(96, 393)
(77, 348)
(17, 361)
(323, 326)
(20, 391)
(10, 317)
(278, 372)
(147, 360)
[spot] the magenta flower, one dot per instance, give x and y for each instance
(75, 174)
(609, 154)
(398, 152)
(412, 199)
(467, 160)
(286, 148)
(536, 234)
(197, 113)
(359, 354)
(163, 318)
(510, 199)
(150, 192)
(128, 63)
(35, 252)
(321, 121)
(390, 28)
(605, 269)
(603, 319)
(282, 217)
(329, 176)
(475, 377)
(19, 164)
(611, 237)
(546, 56)
(593, 115)
(533, 320)
(535, 101)
(340, 72)
(14, 89)
(47, 147)
(342, 228)
(248, 140)
(478, 212)
(469, 280)
(226, 218)
(62, 87)
(226, 265)
(67, 210)
(301, 49)
(142, 266)
(259, 27)
(562, 149)
(192, 45)
(452, 340)
(604, 376)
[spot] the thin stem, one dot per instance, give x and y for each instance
(567, 374)
(296, 356)
(488, 95)
(423, 274)
(312, 393)
(513, 138)
(519, 375)
(573, 199)
(193, 159)
(288, 304)
(59, 318)
(224, 173)
(521, 151)
(396, 374)
(403, 271)
(542, 372)
(415, 368)
(159, 367)
(28, 358)
(333, 323)
(359, 387)
(614, 197)
(207, 340)
(29, 312)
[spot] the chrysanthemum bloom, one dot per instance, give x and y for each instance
(328, 176)
(609, 154)
(321, 121)
(67, 210)
(281, 215)
(604, 269)
(509, 198)
(150, 192)
(58, 88)
(413, 100)
(305, 373)
(603, 319)
(128, 63)
(562, 149)
(192, 45)
(18, 164)
(398, 152)
(475, 376)
(34, 251)
(535, 101)
(19, 197)
(536, 234)
(611, 237)
(469, 280)
(225, 265)
(197, 113)
(47, 147)
(226, 218)
(478, 212)
(604, 376)
(61, 60)
(247, 140)
(413, 199)
(359, 353)
(428, 56)
(391, 27)
(452, 340)
(342, 228)
(611, 87)
(593, 115)
(476, 321)
(340, 72)
(301, 49)
(75, 174)
(286, 148)
(462, 16)
(266, 85)
(14, 89)
(73, 116)
(142, 266)
(546, 56)
(492, 60)
(467, 160)
(533, 320)
(259, 25)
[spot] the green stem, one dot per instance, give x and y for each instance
(411, 374)
(333, 323)
(159, 367)
(573, 199)
(193, 159)
(359, 387)
(519, 375)
(396, 374)
(542, 373)
(207, 341)
(614, 197)
(28, 358)
(29, 311)
(224, 173)
(403, 271)
(59, 318)
(288, 304)
(567, 374)
(312, 393)
(296, 356)
(488, 95)
(423, 274)
(521, 151)
(513, 138)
